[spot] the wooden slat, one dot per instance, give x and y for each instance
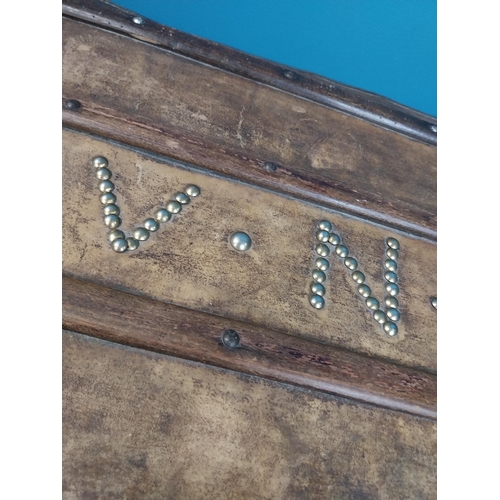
(148, 97)
(140, 322)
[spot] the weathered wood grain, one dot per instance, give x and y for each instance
(189, 261)
(139, 425)
(141, 322)
(151, 98)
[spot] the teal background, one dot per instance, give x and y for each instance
(383, 46)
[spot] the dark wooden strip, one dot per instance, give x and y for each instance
(355, 102)
(145, 323)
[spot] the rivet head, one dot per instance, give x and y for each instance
(391, 276)
(358, 277)
(114, 235)
(174, 207)
(342, 251)
(334, 239)
(151, 225)
(372, 303)
(141, 234)
(240, 241)
(393, 314)
(162, 215)
(393, 243)
(193, 191)
(317, 301)
(322, 264)
(106, 186)
(99, 162)
(351, 263)
(325, 225)
(322, 235)
(390, 265)
(230, 339)
(111, 209)
(318, 289)
(112, 221)
(433, 128)
(108, 199)
(132, 243)
(119, 245)
(434, 302)
(392, 289)
(392, 254)
(138, 20)
(391, 302)
(319, 276)
(182, 198)
(364, 290)
(73, 104)
(103, 174)
(390, 328)
(322, 250)
(380, 316)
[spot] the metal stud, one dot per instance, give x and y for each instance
(132, 243)
(73, 104)
(106, 186)
(390, 328)
(372, 303)
(99, 162)
(334, 239)
(319, 276)
(240, 241)
(193, 191)
(138, 20)
(317, 301)
(103, 174)
(107, 198)
(434, 302)
(318, 289)
(393, 314)
(162, 215)
(342, 251)
(230, 339)
(380, 316)
(351, 263)
(391, 302)
(322, 235)
(392, 254)
(174, 207)
(111, 209)
(325, 225)
(393, 243)
(358, 277)
(364, 290)
(119, 245)
(322, 250)
(390, 265)
(391, 276)
(114, 235)
(322, 264)
(112, 221)
(392, 289)
(182, 198)
(151, 225)
(141, 234)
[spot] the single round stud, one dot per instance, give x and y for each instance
(434, 302)
(351, 263)
(319, 276)
(119, 245)
(193, 191)
(390, 328)
(112, 221)
(391, 276)
(342, 251)
(174, 207)
(392, 289)
(151, 225)
(322, 250)
(108, 199)
(392, 254)
(103, 174)
(364, 291)
(322, 235)
(334, 239)
(372, 303)
(99, 162)
(73, 104)
(111, 209)
(358, 277)
(393, 314)
(141, 234)
(322, 264)
(325, 225)
(317, 301)
(162, 215)
(138, 20)
(230, 339)
(106, 186)
(132, 243)
(393, 243)
(182, 198)
(391, 302)
(380, 316)
(390, 265)
(240, 241)
(114, 235)
(318, 289)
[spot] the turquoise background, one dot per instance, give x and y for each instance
(383, 46)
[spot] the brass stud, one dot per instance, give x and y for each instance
(111, 209)
(182, 198)
(151, 225)
(319, 276)
(103, 174)
(119, 245)
(342, 251)
(114, 235)
(162, 215)
(392, 254)
(393, 314)
(364, 290)
(132, 244)
(141, 234)
(372, 303)
(325, 225)
(112, 221)
(393, 243)
(392, 289)
(174, 207)
(193, 191)
(99, 162)
(318, 289)
(322, 264)
(390, 328)
(351, 263)
(390, 265)
(108, 199)
(240, 241)
(358, 277)
(317, 301)
(322, 236)
(322, 249)
(334, 239)
(380, 316)
(390, 276)
(391, 302)
(106, 186)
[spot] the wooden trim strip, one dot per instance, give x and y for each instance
(141, 322)
(367, 106)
